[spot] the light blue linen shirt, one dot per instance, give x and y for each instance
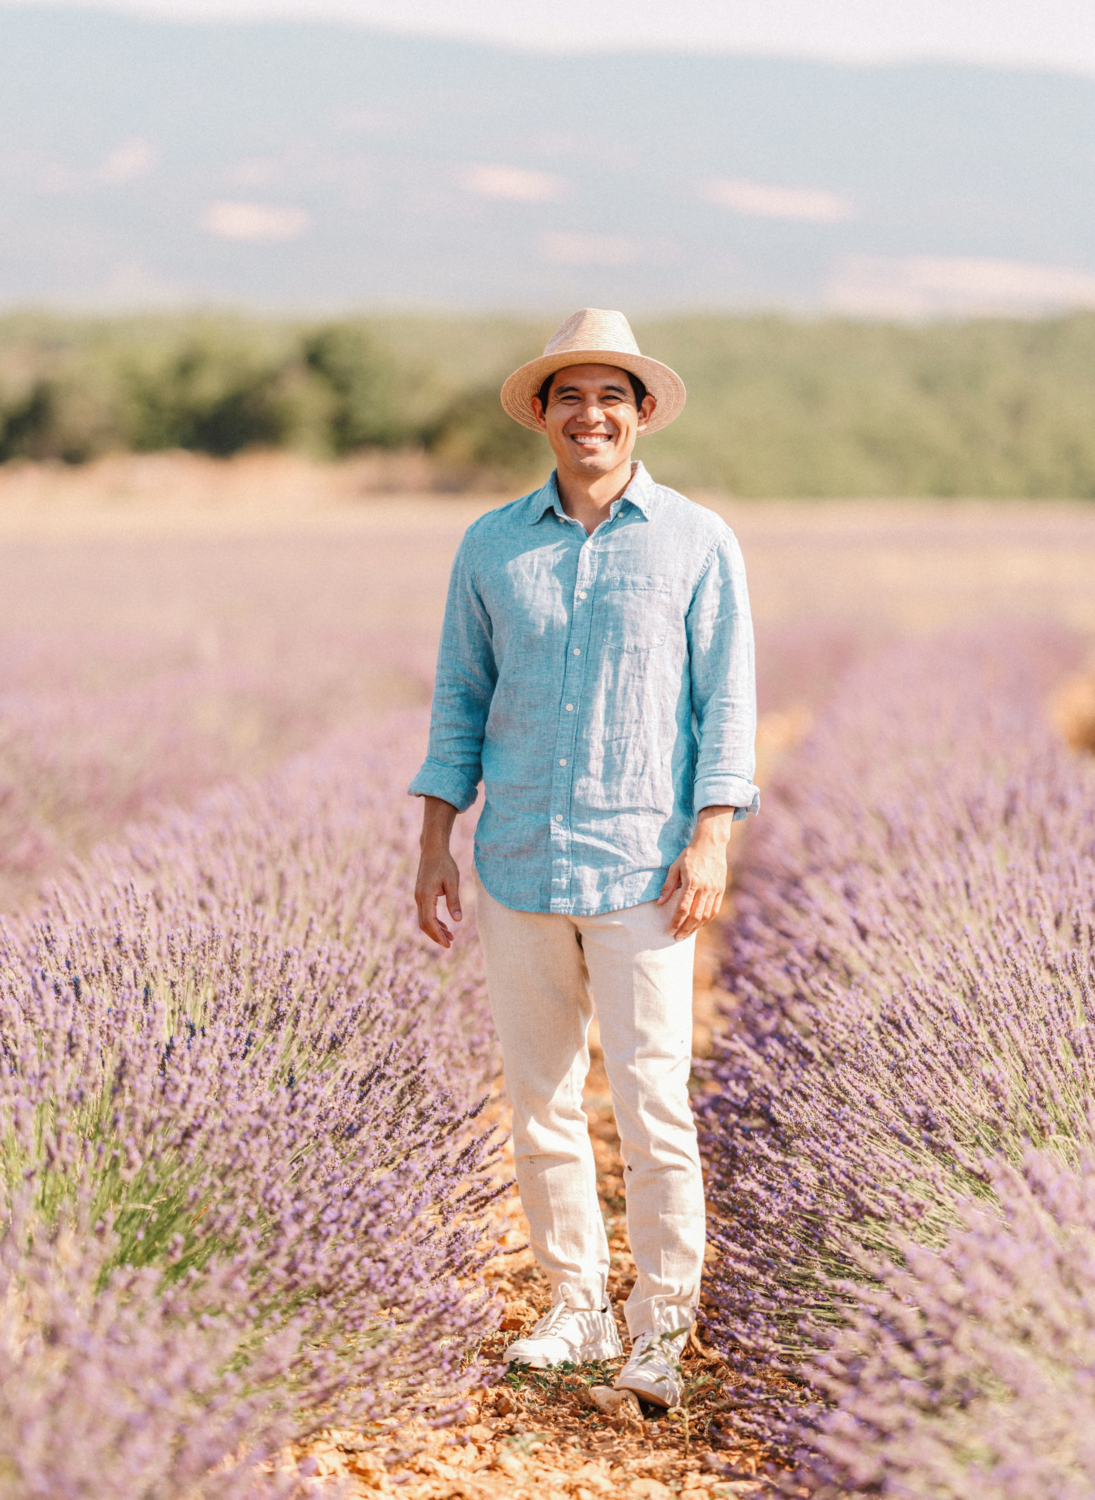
(602, 688)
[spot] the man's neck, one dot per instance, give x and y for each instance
(590, 499)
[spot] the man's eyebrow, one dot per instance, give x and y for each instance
(562, 390)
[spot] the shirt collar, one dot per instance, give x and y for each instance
(641, 493)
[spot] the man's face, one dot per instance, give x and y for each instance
(591, 421)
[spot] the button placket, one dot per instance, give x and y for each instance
(574, 672)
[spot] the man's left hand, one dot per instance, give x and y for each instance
(699, 873)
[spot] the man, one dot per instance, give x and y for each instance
(596, 672)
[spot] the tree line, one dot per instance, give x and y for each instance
(777, 406)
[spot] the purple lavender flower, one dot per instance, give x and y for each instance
(912, 973)
(969, 1373)
(244, 1174)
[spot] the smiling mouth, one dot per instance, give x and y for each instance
(591, 439)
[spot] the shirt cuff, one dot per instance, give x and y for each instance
(434, 780)
(717, 790)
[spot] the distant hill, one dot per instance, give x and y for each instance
(318, 165)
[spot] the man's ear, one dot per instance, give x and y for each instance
(646, 411)
(538, 412)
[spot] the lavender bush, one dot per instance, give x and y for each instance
(243, 1175)
(138, 670)
(913, 963)
(83, 752)
(969, 1374)
(800, 664)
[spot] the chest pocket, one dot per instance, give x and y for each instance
(633, 611)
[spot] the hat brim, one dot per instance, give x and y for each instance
(664, 384)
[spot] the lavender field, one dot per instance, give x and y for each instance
(253, 1129)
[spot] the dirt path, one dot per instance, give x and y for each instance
(538, 1435)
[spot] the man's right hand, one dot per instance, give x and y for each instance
(438, 874)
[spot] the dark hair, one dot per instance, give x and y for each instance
(638, 390)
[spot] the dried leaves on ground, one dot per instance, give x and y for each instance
(541, 1433)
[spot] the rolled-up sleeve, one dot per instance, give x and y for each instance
(466, 675)
(724, 703)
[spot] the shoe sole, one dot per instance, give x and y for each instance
(647, 1395)
(587, 1354)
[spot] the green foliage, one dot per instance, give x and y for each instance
(474, 432)
(361, 386)
(835, 408)
(26, 427)
(561, 1376)
(54, 418)
(210, 394)
(776, 406)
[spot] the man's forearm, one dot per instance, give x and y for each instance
(437, 872)
(438, 817)
(713, 826)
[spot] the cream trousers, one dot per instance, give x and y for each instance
(545, 974)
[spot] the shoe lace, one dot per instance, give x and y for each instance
(658, 1350)
(552, 1321)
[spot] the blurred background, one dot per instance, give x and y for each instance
(863, 235)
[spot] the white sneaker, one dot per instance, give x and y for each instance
(565, 1335)
(653, 1370)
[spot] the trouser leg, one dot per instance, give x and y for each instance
(539, 997)
(642, 990)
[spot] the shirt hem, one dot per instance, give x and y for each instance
(621, 898)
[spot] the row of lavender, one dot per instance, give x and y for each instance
(243, 1171)
(97, 730)
(901, 1125)
(101, 724)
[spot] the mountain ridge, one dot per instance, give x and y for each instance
(317, 164)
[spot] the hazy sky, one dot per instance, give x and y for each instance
(1054, 33)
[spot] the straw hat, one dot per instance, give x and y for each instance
(594, 337)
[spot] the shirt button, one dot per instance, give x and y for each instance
(563, 761)
(577, 651)
(558, 817)
(570, 708)
(581, 594)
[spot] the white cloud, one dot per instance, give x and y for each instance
(518, 184)
(764, 200)
(918, 286)
(133, 158)
(262, 222)
(589, 250)
(130, 159)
